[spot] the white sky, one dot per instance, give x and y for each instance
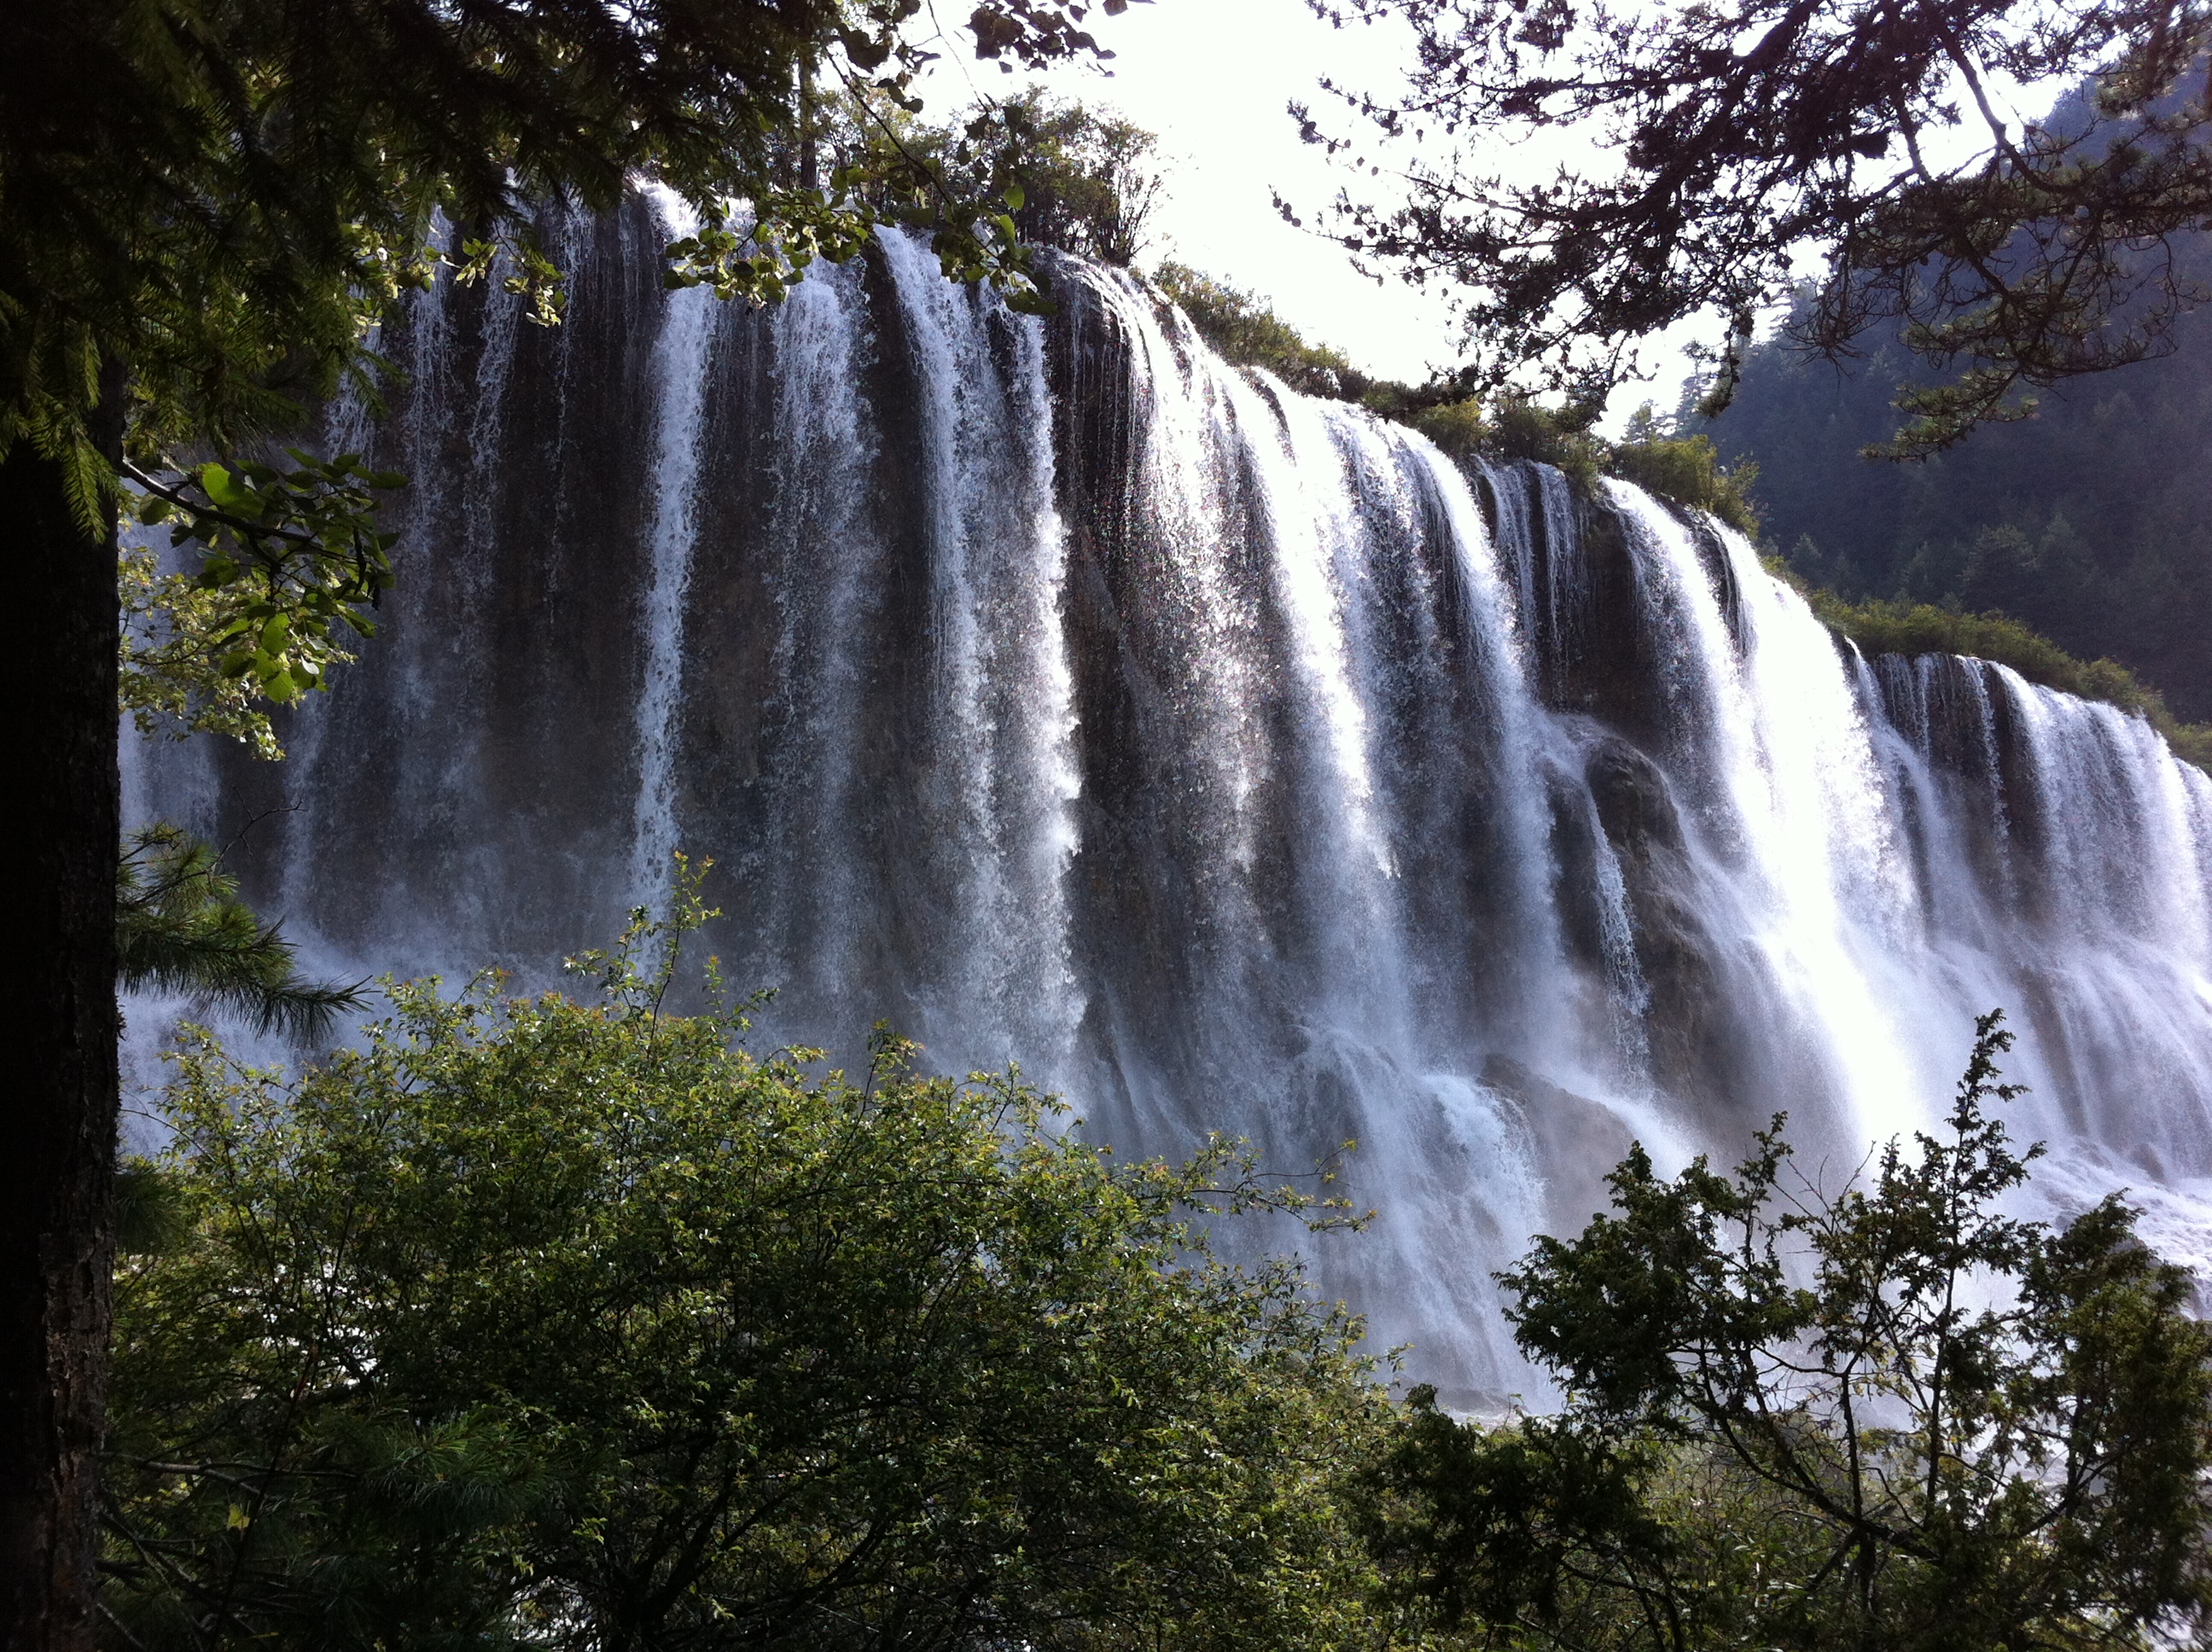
(1212, 77)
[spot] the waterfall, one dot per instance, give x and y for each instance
(1233, 759)
(673, 528)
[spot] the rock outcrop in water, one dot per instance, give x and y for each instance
(1231, 759)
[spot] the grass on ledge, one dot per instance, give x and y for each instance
(1883, 627)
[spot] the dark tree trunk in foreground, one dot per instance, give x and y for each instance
(58, 1035)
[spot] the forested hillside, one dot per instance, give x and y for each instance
(2090, 521)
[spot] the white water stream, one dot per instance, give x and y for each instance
(1230, 759)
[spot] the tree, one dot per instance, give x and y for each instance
(1743, 137)
(572, 1324)
(181, 927)
(1090, 182)
(1893, 1418)
(1074, 178)
(205, 205)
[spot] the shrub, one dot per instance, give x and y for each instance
(574, 1324)
(1881, 627)
(1243, 328)
(1687, 469)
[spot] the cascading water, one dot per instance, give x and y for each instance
(1232, 760)
(679, 375)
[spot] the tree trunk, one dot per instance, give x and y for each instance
(58, 1036)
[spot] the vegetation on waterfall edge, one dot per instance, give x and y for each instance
(1243, 328)
(1883, 626)
(573, 1323)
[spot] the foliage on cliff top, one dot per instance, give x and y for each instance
(1243, 328)
(1880, 626)
(1082, 181)
(1687, 469)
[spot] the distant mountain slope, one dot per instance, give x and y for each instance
(2092, 521)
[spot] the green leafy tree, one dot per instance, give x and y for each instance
(1895, 1418)
(1070, 176)
(1091, 182)
(204, 206)
(572, 1324)
(1737, 138)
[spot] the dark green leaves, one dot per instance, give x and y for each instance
(1890, 1415)
(1486, 1526)
(574, 1324)
(181, 928)
(1671, 1291)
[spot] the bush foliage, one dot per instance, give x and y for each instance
(574, 1324)
(1243, 327)
(1887, 1415)
(1881, 627)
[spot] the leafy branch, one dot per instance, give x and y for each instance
(290, 560)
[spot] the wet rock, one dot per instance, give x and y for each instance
(1576, 1141)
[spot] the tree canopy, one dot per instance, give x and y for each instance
(1739, 140)
(572, 1323)
(1890, 1415)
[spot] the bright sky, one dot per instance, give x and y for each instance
(1211, 78)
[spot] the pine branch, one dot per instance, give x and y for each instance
(180, 928)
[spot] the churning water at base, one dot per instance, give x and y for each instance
(1230, 759)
